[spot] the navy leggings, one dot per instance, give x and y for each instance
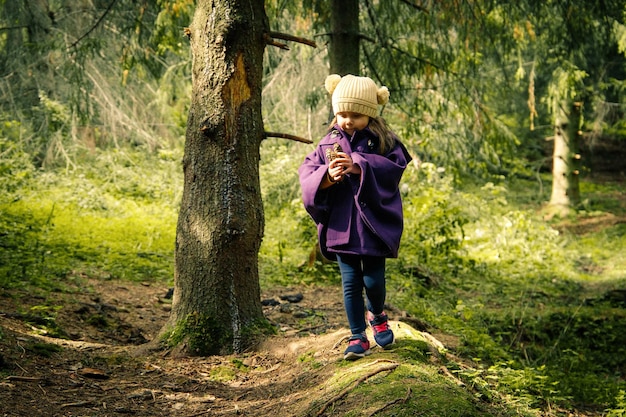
(359, 273)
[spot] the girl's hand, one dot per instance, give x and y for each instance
(347, 164)
(335, 171)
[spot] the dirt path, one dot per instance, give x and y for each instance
(92, 370)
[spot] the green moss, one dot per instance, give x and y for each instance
(203, 334)
(206, 335)
(44, 349)
(238, 363)
(408, 390)
(413, 350)
(308, 358)
(98, 320)
(223, 373)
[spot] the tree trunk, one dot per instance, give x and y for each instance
(566, 160)
(344, 42)
(216, 305)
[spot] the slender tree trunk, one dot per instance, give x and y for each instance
(344, 43)
(216, 305)
(566, 159)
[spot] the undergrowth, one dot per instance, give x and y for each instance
(536, 308)
(106, 219)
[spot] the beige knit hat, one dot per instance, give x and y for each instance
(356, 94)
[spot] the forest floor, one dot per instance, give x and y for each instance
(78, 352)
(94, 368)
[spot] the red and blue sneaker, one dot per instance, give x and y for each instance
(358, 347)
(383, 335)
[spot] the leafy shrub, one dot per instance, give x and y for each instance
(16, 167)
(433, 217)
(620, 410)
(21, 252)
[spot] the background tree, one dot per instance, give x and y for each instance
(566, 167)
(343, 53)
(87, 74)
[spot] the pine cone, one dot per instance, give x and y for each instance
(331, 154)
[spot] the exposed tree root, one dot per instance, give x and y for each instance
(396, 401)
(388, 367)
(449, 374)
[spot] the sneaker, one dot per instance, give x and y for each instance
(358, 347)
(383, 335)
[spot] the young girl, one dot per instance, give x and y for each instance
(350, 189)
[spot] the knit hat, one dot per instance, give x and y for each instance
(356, 94)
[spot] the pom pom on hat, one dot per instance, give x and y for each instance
(331, 82)
(383, 95)
(356, 94)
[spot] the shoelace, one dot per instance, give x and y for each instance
(379, 328)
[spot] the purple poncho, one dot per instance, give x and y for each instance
(361, 214)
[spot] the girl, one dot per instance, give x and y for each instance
(350, 189)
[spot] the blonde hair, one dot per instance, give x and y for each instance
(378, 125)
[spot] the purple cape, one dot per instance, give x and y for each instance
(361, 214)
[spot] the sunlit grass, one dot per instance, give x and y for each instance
(106, 219)
(602, 254)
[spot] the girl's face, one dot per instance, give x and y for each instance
(350, 122)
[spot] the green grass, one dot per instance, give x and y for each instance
(105, 220)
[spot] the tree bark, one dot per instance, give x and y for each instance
(344, 54)
(566, 159)
(216, 307)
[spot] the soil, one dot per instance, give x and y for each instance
(87, 361)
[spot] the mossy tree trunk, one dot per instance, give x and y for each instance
(566, 159)
(216, 306)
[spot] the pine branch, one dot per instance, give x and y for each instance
(415, 6)
(106, 12)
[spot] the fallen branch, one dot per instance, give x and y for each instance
(76, 404)
(23, 378)
(340, 341)
(201, 413)
(396, 401)
(310, 329)
(388, 367)
(287, 136)
(13, 27)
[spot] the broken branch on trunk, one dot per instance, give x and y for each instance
(270, 41)
(287, 37)
(287, 136)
